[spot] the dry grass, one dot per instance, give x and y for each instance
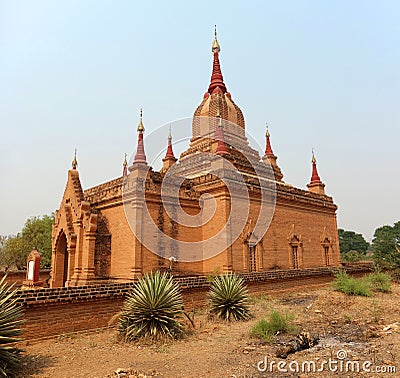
(358, 325)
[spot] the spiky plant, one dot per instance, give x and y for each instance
(153, 308)
(10, 321)
(228, 297)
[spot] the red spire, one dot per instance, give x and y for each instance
(140, 156)
(170, 152)
(217, 80)
(219, 135)
(268, 148)
(315, 179)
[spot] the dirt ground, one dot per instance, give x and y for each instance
(355, 333)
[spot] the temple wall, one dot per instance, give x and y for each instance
(302, 220)
(55, 311)
(122, 241)
(309, 224)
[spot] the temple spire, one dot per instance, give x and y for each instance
(315, 185)
(314, 176)
(268, 148)
(170, 158)
(217, 80)
(74, 162)
(170, 152)
(125, 168)
(270, 158)
(140, 156)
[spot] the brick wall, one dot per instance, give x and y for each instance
(19, 276)
(54, 311)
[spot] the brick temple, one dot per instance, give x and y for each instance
(102, 234)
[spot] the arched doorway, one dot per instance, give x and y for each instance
(62, 260)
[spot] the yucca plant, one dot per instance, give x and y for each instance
(228, 297)
(10, 321)
(153, 308)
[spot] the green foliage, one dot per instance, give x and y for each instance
(228, 297)
(353, 244)
(347, 318)
(352, 256)
(379, 281)
(153, 308)
(395, 274)
(3, 241)
(15, 252)
(276, 323)
(386, 246)
(10, 320)
(36, 234)
(350, 285)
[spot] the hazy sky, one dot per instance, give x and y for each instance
(324, 74)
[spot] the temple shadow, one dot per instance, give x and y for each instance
(33, 365)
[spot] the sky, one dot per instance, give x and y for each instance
(323, 74)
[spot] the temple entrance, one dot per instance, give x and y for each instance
(62, 257)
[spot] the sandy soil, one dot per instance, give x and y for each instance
(354, 330)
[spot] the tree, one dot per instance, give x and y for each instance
(386, 246)
(350, 241)
(3, 240)
(36, 234)
(351, 256)
(15, 252)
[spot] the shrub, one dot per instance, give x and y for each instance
(276, 323)
(395, 274)
(228, 297)
(379, 281)
(350, 285)
(153, 308)
(351, 256)
(10, 321)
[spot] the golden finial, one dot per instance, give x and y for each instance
(169, 133)
(140, 126)
(267, 132)
(215, 45)
(313, 159)
(125, 162)
(74, 162)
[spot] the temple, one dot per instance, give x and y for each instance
(219, 207)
